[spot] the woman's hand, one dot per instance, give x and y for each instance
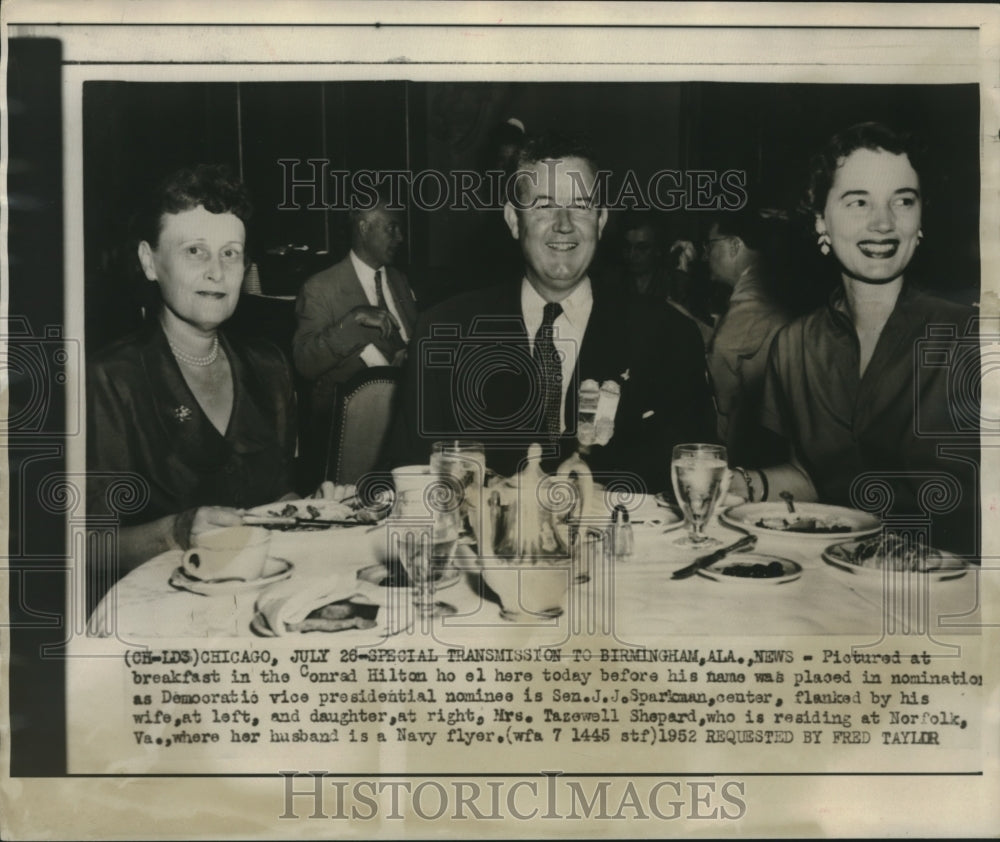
(329, 491)
(738, 492)
(208, 518)
(768, 485)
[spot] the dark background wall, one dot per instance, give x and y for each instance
(134, 133)
(36, 361)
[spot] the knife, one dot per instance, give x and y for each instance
(291, 520)
(744, 543)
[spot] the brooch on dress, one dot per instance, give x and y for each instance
(182, 413)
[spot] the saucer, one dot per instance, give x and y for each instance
(752, 569)
(379, 574)
(275, 570)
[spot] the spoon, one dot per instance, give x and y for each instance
(789, 500)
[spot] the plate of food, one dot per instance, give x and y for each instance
(335, 603)
(810, 521)
(316, 513)
(893, 557)
(340, 615)
(753, 569)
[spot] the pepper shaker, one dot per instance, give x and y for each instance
(621, 533)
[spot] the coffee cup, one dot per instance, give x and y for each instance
(529, 589)
(411, 483)
(232, 552)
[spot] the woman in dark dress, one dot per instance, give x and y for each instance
(196, 424)
(859, 389)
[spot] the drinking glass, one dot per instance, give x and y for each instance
(700, 476)
(422, 534)
(461, 466)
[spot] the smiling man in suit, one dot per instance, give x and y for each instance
(504, 365)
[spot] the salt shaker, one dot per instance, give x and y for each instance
(621, 533)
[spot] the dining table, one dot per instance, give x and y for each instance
(630, 597)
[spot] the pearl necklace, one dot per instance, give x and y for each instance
(190, 359)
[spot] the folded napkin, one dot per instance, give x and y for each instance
(331, 603)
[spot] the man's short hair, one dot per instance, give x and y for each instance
(383, 199)
(747, 224)
(636, 220)
(554, 146)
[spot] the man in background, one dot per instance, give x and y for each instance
(741, 251)
(648, 270)
(357, 314)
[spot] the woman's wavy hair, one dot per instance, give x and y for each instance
(210, 185)
(874, 136)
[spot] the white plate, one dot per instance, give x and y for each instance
(749, 515)
(941, 566)
(790, 570)
(656, 511)
(309, 509)
(275, 570)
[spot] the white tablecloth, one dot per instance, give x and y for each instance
(633, 600)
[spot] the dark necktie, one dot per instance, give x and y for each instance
(379, 292)
(550, 366)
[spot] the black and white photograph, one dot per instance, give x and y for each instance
(488, 419)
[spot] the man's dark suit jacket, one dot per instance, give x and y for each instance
(470, 375)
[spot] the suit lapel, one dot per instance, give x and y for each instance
(498, 326)
(403, 296)
(357, 298)
(354, 293)
(605, 349)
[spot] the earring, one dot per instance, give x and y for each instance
(920, 234)
(824, 243)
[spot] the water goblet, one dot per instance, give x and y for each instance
(423, 530)
(700, 477)
(462, 465)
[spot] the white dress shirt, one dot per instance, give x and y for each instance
(567, 330)
(371, 355)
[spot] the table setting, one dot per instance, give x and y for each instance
(454, 550)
